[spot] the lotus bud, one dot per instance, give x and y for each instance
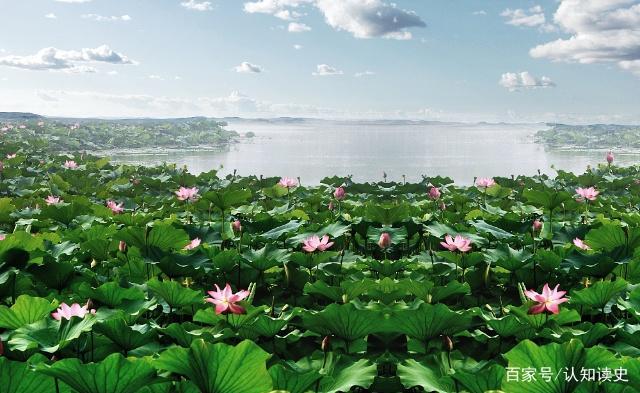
(54, 358)
(447, 343)
(385, 240)
(536, 226)
(331, 206)
(89, 304)
(326, 344)
(339, 193)
(93, 263)
(345, 298)
(443, 207)
(237, 226)
(609, 158)
(122, 246)
(287, 274)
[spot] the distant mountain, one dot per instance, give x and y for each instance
(18, 116)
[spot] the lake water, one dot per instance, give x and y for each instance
(313, 150)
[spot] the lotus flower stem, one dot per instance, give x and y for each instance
(57, 387)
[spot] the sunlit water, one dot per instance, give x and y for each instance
(313, 150)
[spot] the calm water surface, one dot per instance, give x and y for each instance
(314, 150)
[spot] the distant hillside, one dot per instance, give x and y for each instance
(18, 116)
(593, 136)
(69, 134)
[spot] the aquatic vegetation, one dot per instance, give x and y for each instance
(111, 280)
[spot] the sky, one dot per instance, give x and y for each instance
(570, 61)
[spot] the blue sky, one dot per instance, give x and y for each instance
(571, 60)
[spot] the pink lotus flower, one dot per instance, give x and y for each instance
(193, 244)
(589, 194)
(537, 226)
(610, 158)
(75, 310)
(460, 243)
(10, 156)
(581, 245)
(339, 193)
(122, 246)
(236, 226)
(288, 182)
(225, 300)
(116, 208)
(187, 194)
(70, 164)
(385, 240)
(548, 300)
(2, 236)
(434, 193)
(313, 243)
(53, 200)
(485, 182)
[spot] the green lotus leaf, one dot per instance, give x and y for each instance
(176, 295)
(342, 375)
(557, 358)
(226, 199)
(481, 379)
(50, 335)
(549, 199)
(209, 316)
(220, 368)
(508, 258)
(17, 377)
(25, 311)
(266, 257)
(598, 294)
(427, 321)
(110, 294)
(293, 381)
(498, 233)
(344, 321)
(126, 337)
(429, 377)
(115, 374)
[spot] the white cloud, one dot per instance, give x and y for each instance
(66, 60)
(51, 15)
(297, 46)
(278, 8)
(602, 31)
(524, 80)
(533, 17)
(112, 72)
(73, 1)
(325, 69)
(156, 77)
(197, 5)
(101, 18)
(295, 27)
(248, 68)
(371, 18)
(362, 18)
(364, 73)
(631, 65)
(479, 12)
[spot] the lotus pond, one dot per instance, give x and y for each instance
(124, 279)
